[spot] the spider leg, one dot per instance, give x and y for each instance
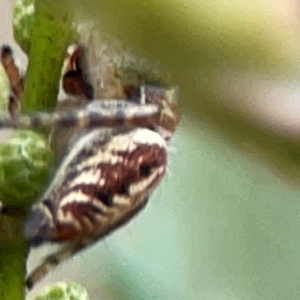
(51, 262)
(68, 251)
(108, 113)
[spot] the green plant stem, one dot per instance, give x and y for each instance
(51, 34)
(13, 253)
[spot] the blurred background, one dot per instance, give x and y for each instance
(225, 223)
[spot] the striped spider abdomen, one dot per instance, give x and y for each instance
(102, 183)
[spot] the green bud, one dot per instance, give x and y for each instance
(65, 291)
(25, 161)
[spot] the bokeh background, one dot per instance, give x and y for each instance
(225, 223)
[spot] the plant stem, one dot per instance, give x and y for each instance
(13, 253)
(52, 32)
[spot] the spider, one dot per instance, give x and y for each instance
(115, 159)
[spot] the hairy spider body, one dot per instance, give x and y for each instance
(108, 171)
(107, 175)
(116, 156)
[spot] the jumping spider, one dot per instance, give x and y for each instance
(115, 159)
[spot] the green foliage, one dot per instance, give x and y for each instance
(64, 291)
(25, 161)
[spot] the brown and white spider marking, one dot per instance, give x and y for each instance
(109, 172)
